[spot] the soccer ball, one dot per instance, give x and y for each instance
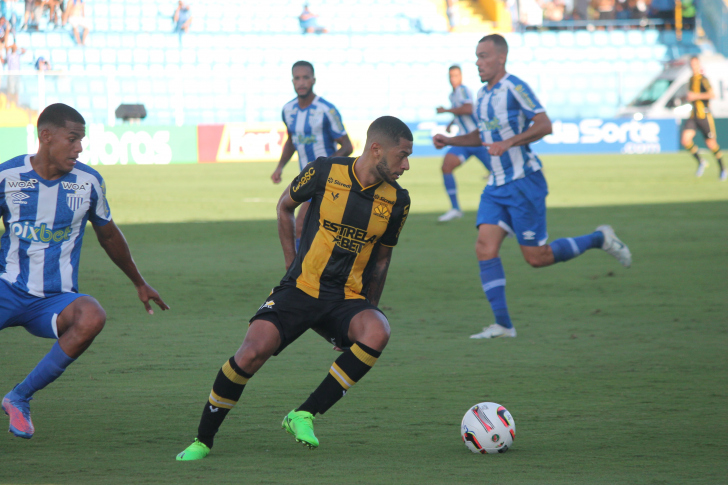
(488, 428)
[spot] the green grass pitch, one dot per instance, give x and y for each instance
(617, 376)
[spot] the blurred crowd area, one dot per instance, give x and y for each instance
(535, 13)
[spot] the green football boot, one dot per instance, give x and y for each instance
(300, 425)
(196, 451)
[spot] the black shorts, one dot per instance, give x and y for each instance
(293, 312)
(705, 125)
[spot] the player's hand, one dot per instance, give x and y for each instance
(276, 177)
(497, 148)
(692, 96)
(147, 293)
(440, 141)
(440, 109)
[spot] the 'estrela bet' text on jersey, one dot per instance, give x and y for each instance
(344, 226)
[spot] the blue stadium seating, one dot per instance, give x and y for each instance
(235, 63)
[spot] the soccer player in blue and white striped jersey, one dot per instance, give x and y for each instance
(514, 201)
(461, 100)
(314, 129)
(45, 201)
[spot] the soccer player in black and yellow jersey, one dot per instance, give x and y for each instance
(333, 282)
(699, 95)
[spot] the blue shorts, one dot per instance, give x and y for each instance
(519, 207)
(37, 315)
(463, 153)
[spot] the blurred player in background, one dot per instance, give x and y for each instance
(314, 128)
(514, 202)
(699, 95)
(461, 100)
(333, 284)
(45, 201)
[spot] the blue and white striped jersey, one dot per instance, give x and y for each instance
(465, 123)
(503, 112)
(313, 130)
(44, 224)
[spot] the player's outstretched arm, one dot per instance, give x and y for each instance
(113, 242)
(379, 275)
(287, 225)
(540, 127)
(345, 147)
(471, 139)
(286, 154)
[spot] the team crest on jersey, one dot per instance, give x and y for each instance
(74, 201)
(19, 198)
(381, 211)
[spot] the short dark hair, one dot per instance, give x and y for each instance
(57, 115)
(498, 41)
(303, 64)
(455, 66)
(390, 128)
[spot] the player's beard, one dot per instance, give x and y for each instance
(384, 171)
(306, 94)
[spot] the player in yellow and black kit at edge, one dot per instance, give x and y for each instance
(699, 95)
(334, 282)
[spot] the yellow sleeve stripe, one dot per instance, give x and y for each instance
(386, 245)
(341, 376)
(221, 402)
(232, 375)
(363, 356)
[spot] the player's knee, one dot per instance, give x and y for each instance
(378, 334)
(91, 321)
(485, 251)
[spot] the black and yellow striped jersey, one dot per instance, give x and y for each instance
(344, 227)
(699, 84)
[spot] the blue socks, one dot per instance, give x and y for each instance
(494, 286)
(568, 248)
(452, 189)
(48, 370)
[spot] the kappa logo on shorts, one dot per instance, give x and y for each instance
(19, 198)
(268, 304)
(529, 235)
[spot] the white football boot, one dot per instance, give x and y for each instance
(450, 215)
(723, 175)
(615, 247)
(495, 331)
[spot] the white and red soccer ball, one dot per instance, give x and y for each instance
(488, 428)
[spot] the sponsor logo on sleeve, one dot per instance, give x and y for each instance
(521, 89)
(306, 178)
